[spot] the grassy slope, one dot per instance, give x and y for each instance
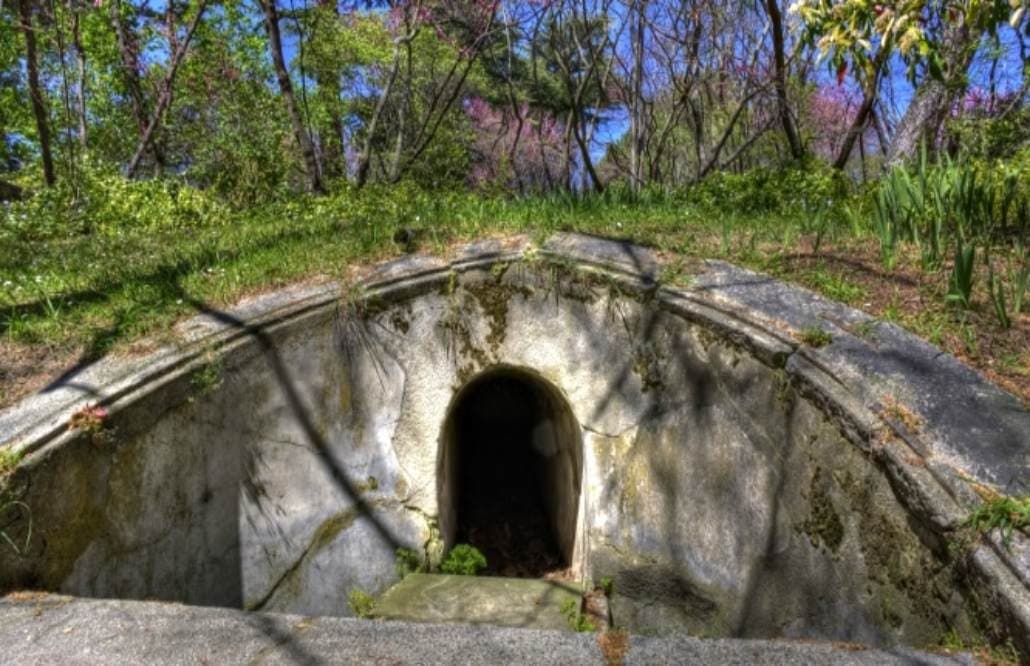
(75, 285)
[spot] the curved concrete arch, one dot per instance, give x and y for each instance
(295, 439)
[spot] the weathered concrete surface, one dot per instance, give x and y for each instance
(968, 425)
(63, 630)
(506, 602)
(734, 482)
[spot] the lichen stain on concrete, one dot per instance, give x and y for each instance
(823, 525)
(290, 584)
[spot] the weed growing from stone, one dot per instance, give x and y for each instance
(407, 561)
(1002, 513)
(92, 419)
(361, 603)
(9, 459)
(815, 337)
(900, 413)
(577, 620)
(985, 654)
(209, 377)
(463, 560)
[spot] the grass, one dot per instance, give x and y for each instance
(984, 654)
(1003, 514)
(69, 295)
(815, 337)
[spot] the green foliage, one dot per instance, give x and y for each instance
(961, 206)
(960, 285)
(833, 285)
(408, 561)
(9, 459)
(128, 258)
(576, 619)
(990, 139)
(802, 191)
(361, 603)
(463, 560)
(208, 377)
(1002, 513)
(866, 32)
(983, 652)
(607, 585)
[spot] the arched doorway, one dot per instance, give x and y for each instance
(510, 473)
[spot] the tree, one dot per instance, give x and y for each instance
(790, 131)
(36, 93)
(300, 132)
(959, 35)
(865, 34)
(165, 95)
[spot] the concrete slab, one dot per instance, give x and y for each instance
(51, 629)
(507, 602)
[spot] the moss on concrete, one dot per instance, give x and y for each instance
(823, 525)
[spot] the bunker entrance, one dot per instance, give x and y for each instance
(510, 481)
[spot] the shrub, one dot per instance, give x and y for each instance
(801, 190)
(463, 560)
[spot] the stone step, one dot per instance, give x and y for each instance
(506, 602)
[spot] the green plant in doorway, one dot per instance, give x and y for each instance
(463, 560)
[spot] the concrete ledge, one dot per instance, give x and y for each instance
(48, 629)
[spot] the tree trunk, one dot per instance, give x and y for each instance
(36, 91)
(165, 97)
(130, 71)
(365, 157)
(858, 126)
(275, 45)
(80, 88)
(331, 136)
(934, 98)
(636, 154)
(797, 151)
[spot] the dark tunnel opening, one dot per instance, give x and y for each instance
(511, 474)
